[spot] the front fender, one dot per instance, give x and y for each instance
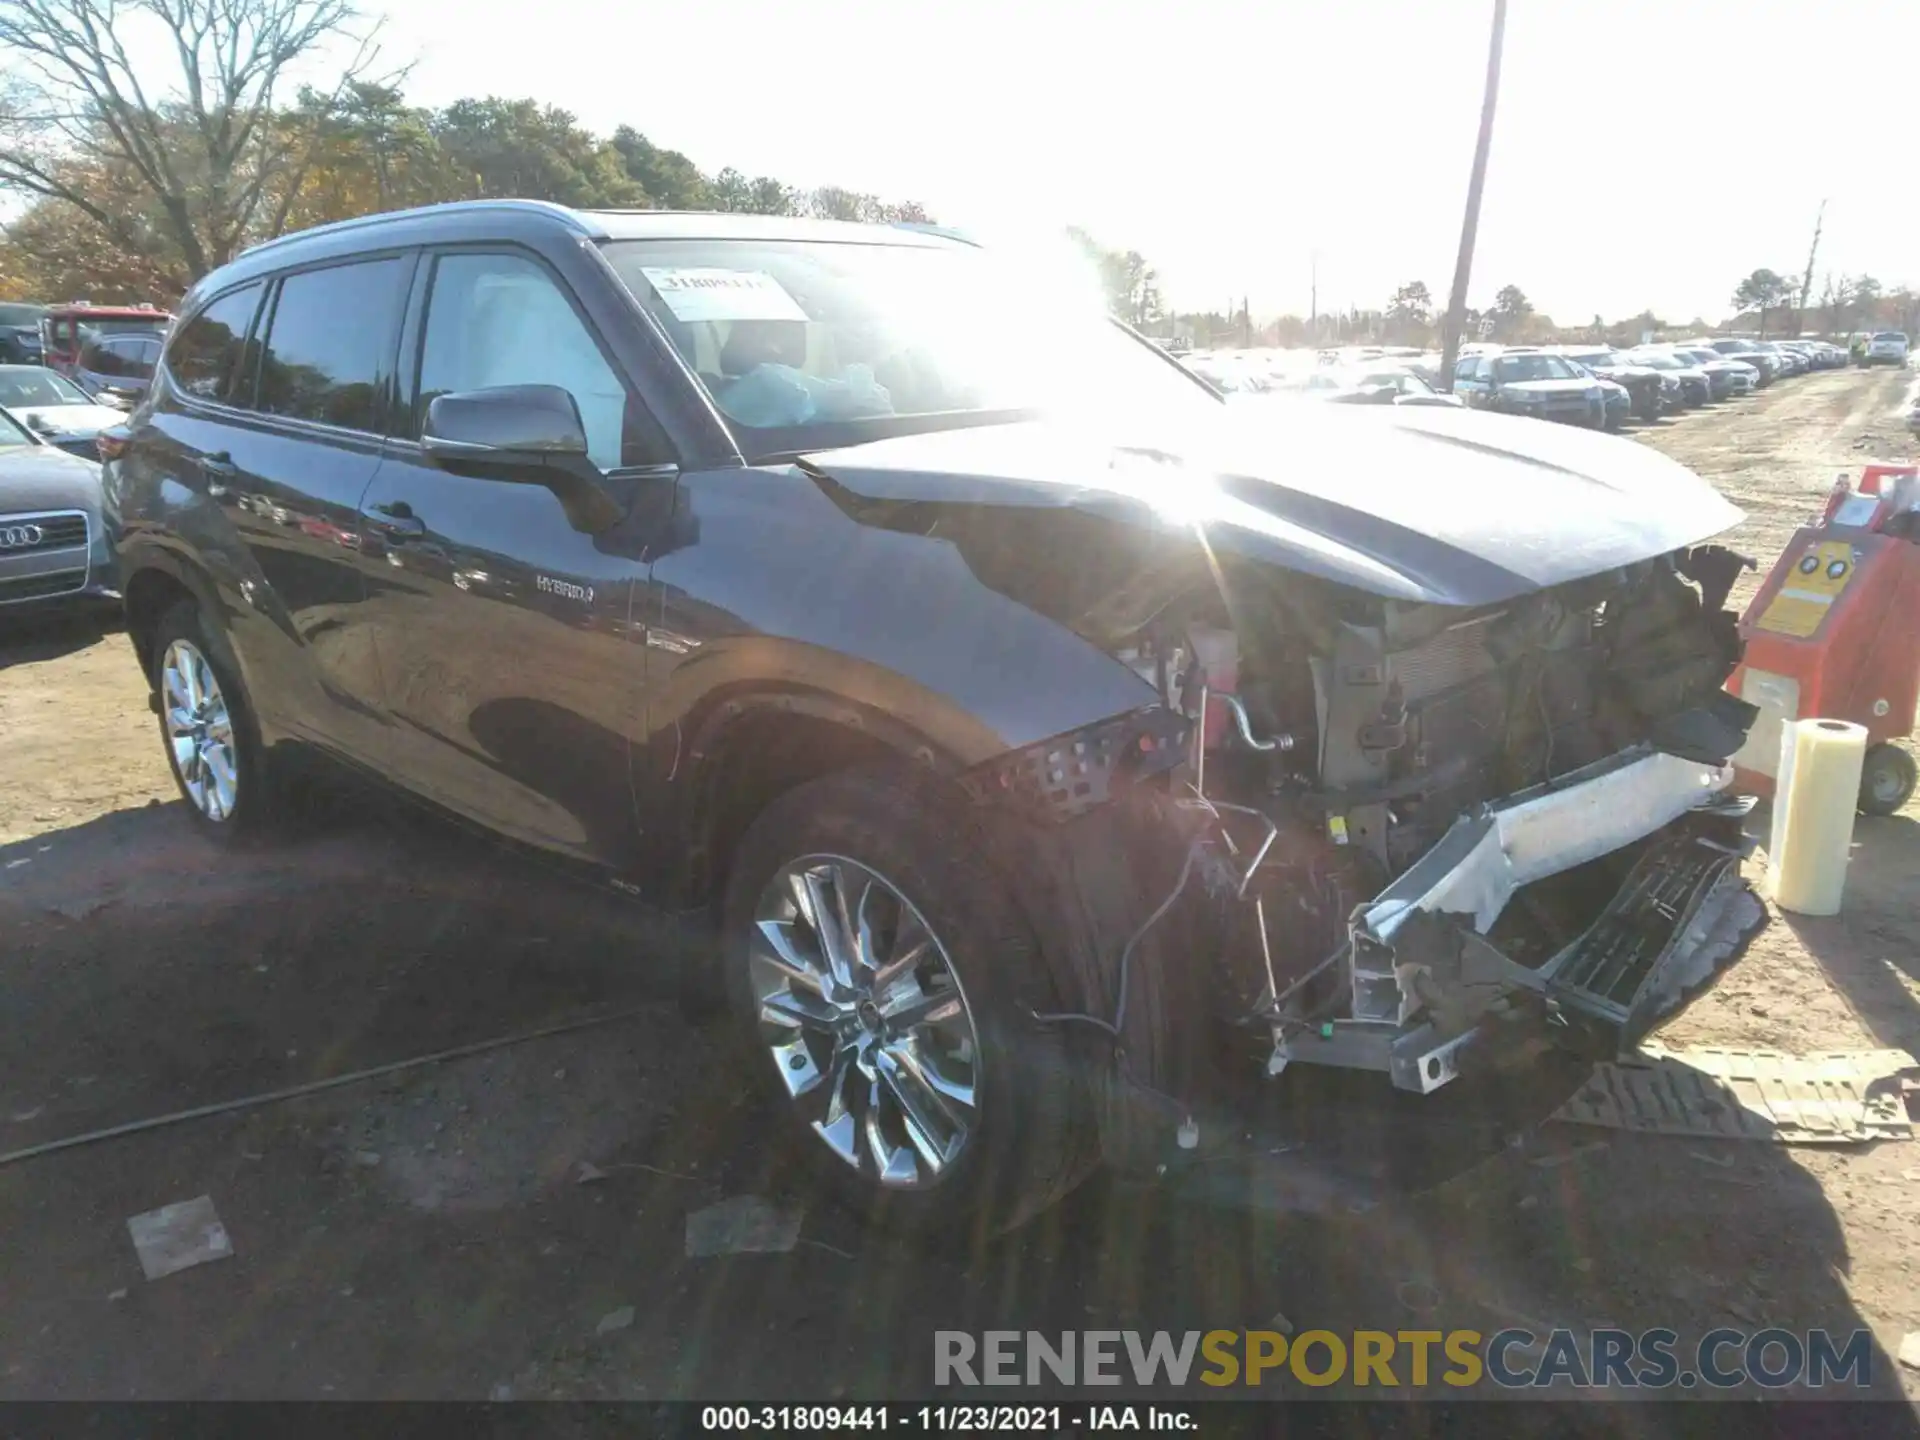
(775, 615)
(772, 582)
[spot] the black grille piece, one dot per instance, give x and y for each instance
(1641, 924)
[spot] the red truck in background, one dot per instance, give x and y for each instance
(66, 330)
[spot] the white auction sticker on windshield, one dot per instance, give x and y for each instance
(695, 294)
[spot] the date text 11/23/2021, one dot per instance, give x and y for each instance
(1041, 1419)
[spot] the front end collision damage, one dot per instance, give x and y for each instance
(1152, 886)
(1412, 800)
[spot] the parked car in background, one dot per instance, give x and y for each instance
(1642, 382)
(1820, 355)
(1887, 347)
(66, 329)
(1381, 383)
(20, 333)
(117, 368)
(1728, 377)
(1792, 362)
(1691, 385)
(55, 408)
(1532, 383)
(55, 552)
(1614, 395)
(1748, 353)
(1229, 377)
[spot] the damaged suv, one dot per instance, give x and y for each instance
(1022, 728)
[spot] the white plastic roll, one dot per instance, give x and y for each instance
(1813, 808)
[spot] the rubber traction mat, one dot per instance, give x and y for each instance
(1833, 1098)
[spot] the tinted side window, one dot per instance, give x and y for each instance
(100, 358)
(503, 320)
(137, 357)
(329, 343)
(205, 351)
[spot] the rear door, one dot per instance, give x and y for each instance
(513, 679)
(282, 434)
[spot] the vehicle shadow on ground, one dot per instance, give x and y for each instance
(181, 973)
(48, 638)
(449, 1200)
(1867, 949)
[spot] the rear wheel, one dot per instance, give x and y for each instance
(206, 724)
(884, 983)
(1886, 779)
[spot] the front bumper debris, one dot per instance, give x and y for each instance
(1426, 987)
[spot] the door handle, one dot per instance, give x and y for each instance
(396, 522)
(218, 468)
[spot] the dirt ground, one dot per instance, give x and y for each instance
(425, 1234)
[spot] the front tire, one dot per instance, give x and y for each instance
(207, 727)
(884, 981)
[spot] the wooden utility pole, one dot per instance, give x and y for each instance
(1313, 304)
(1806, 285)
(1463, 266)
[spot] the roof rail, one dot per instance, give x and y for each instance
(365, 222)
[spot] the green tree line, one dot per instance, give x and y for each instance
(129, 179)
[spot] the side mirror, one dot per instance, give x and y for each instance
(514, 425)
(531, 434)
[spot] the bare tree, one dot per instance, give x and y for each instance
(201, 136)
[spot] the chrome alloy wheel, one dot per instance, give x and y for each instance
(199, 730)
(865, 1020)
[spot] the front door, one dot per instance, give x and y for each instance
(514, 683)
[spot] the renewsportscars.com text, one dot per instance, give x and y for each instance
(1389, 1359)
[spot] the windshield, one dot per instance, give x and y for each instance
(1405, 381)
(20, 316)
(1231, 379)
(1590, 358)
(1658, 362)
(1891, 335)
(12, 433)
(26, 387)
(805, 345)
(1533, 367)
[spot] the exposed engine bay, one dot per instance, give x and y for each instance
(1411, 822)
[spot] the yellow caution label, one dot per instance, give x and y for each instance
(1817, 580)
(1337, 829)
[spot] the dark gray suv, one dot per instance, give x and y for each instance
(1024, 719)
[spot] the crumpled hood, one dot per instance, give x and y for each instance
(43, 478)
(68, 419)
(1453, 507)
